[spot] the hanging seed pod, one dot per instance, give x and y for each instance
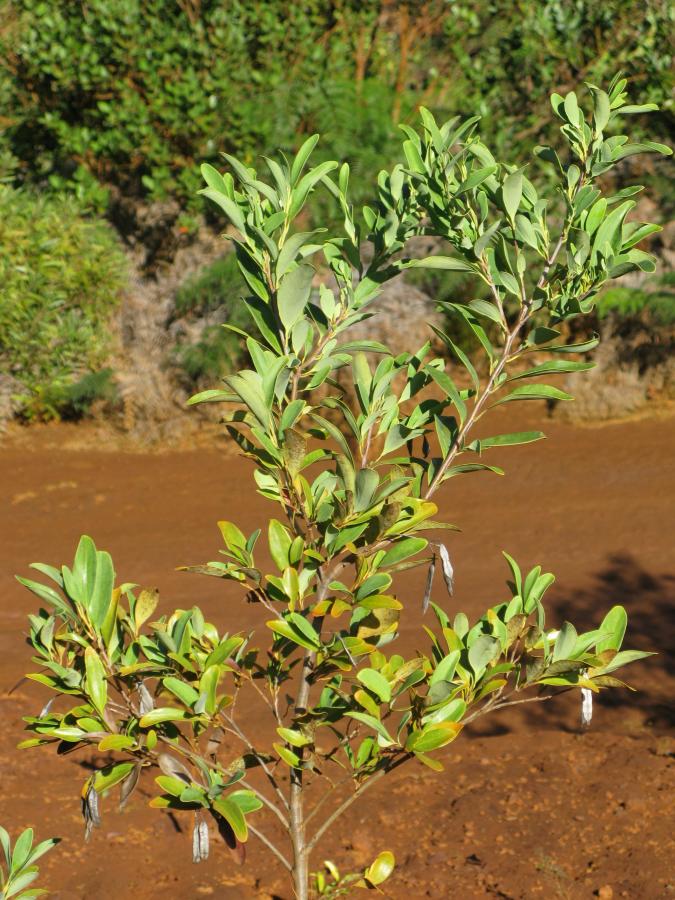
(429, 585)
(129, 785)
(46, 708)
(200, 840)
(586, 707)
(448, 571)
(145, 698)
(204, 840)
(174, 767)
(196, 850)
(90, 812)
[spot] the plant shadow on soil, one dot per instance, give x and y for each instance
(649, 600)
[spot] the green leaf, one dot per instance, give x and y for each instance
(162, 714)
(484, 649)
(229, 207)
(302, 625)
(624, 657)
(381, 868)
(46, 593)
(565, 642)
(248, 387)
(511, 440)
(512, 192)
(602, 110)
(6, 845)
(146, 604)
(305, 636)
(293, 293)
(446, 668)
(375, 724)
(553, 367)
(233, 815)
(367, 481)
(182, 690)
(246, 801)
(449, 263)
(302, 156)
(294, 738)
(375, 682)
(534, 392)
(111, 775)
(289, 757)
(102, 588)
(116, 742)
(280, 544)
(21, 850)
(212, 177)
(614, 626)
(95, 681)
(432, 737)
(401, 550)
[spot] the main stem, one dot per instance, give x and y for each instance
(297, 813)
(301, 849)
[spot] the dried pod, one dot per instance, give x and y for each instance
(429, 584)
(174, 767)
(200, 840)
(586, 707)
(448, 571)
(90, 811)
(146, 703)
(129, 785)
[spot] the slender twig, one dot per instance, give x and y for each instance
(266, 801)
(355, 796)
(270, 777)
(268, 843)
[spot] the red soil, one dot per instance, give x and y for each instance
(528, 806)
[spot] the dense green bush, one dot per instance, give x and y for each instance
(656, 300)
(62, 276)
(136, 93)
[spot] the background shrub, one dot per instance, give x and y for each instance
(656, 300)
(137, 94)
(214, 297)
(62, 276)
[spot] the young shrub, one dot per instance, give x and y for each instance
(174, 694)
(20, 860)
(62, 276)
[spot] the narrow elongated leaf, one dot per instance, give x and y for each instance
(534, 392)
(482, 652)
(293, 294)
(96, 684)
(448, 263)
(614, 626)
(432, 737)
(376, 682)
(373, 723)
(512, 192)
(403, 549)
(511, 440)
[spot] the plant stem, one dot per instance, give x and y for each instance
(480, 402)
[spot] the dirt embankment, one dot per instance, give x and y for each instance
(528, 807)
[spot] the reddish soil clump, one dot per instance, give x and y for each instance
(528, 806)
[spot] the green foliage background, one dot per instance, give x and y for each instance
(103, 101)
(61, 275)
(137, 94)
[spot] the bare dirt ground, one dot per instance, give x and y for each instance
(528, 806)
